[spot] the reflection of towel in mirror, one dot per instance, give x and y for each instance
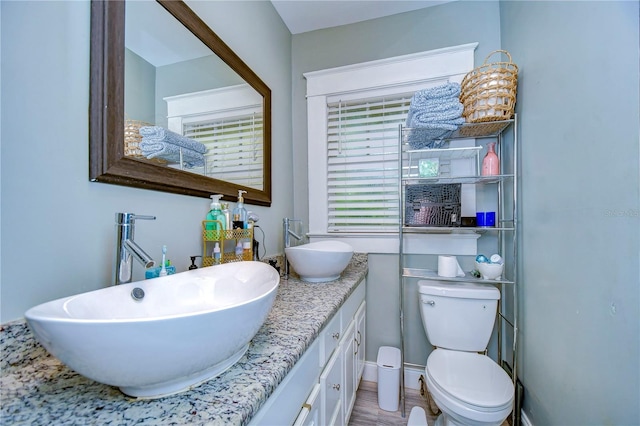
(171, 153)
(156, 134)
(158, 142)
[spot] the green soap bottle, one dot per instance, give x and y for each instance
(216, 214)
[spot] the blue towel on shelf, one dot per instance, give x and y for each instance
(158, 135)
(436, 112)
(448, 114)
(447, 90)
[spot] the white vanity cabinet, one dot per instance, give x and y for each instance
(345, 358)
(320, 389)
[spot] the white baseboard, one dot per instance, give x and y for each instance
(411, 375)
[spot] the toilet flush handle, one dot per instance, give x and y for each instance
(430, 302)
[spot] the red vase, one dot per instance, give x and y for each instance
(491, 163)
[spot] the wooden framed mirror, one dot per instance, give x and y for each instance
(111, 160)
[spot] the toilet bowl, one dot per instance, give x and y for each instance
(468, 387)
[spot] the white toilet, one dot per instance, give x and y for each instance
(468, 387)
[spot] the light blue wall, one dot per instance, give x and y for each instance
(139, 93)
(57, 229)
(578, 98)
(196, 75)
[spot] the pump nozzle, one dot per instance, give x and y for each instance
(215, 201)
(240, 198)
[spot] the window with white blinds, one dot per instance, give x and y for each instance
(362, 163)
(234, 148)
(353, 115)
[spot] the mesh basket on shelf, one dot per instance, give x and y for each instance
(488, 92)
(433, 205)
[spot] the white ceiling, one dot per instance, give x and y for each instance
(302, 16)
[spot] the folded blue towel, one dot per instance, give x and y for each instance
(171, 153)
(434, 113)
(158, 135)
(423, 117)
(447, 90)
(438, 105)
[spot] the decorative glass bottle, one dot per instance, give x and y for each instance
(491, 162)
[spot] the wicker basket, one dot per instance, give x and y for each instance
(132, 138)
(488, 92)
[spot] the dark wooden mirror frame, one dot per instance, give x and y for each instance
(107, 162)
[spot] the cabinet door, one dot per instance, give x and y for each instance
(360, 334)
(331, 391)
(348, 349)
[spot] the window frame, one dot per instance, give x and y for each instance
(371, 79)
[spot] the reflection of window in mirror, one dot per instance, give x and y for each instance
(229, 122)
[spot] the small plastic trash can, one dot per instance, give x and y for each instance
(388, 378)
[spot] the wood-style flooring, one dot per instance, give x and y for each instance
(366, 411)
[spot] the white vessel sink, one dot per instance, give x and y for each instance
(320, 261)
(188, 327)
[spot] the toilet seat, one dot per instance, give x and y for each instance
(469, 384)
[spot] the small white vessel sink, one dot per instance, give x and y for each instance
(188, 328)
(320, 261)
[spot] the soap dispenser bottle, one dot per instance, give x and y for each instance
(240, 213)
(227, 215)
(215, 214)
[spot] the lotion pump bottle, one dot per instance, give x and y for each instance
(216, 214)
(240, 213)
(227, 215)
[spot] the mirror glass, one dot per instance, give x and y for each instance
(194, 118)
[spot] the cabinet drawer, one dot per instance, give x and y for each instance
(329, 338)
(310, 413)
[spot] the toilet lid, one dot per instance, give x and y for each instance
(470, 378)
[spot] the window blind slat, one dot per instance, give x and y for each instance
(234, 148)
(362, 164)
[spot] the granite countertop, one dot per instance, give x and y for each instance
(37, 389)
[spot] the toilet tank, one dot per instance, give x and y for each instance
(458, 316)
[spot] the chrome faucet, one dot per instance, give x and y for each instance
(126, 248)
(287, 233)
